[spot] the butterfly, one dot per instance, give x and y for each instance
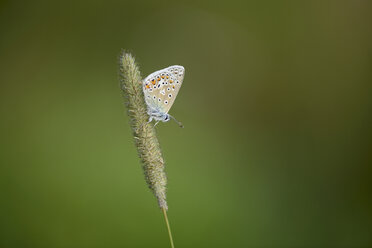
(160, 89)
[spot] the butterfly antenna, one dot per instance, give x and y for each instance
(156, 123)
(178, 122)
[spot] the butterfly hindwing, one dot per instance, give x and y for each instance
(161, 87)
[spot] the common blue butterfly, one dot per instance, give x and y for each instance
(160, 89)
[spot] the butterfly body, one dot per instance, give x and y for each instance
(160, 90)
(157, 115)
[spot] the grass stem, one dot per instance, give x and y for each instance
(168, 227)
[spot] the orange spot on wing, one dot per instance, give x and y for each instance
(153, 81)
(162, 77)
(170, 81)
(147, 86)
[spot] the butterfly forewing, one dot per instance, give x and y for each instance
(161, 87)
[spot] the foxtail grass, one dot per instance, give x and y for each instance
(144, 133)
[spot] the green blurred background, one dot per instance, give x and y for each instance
(276, 103)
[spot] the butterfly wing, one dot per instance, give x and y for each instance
(161, 87)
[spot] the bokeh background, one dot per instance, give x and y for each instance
(276, 103)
